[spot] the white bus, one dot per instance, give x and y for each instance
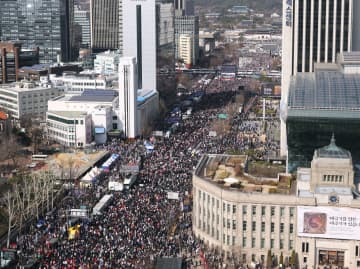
(39, 157)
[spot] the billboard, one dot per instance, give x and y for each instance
(328, 222)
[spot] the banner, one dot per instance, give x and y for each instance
(173, 195)
(328, 222)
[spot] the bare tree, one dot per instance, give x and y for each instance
(9, 150)
(11, 208)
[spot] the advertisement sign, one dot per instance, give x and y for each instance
(329, 222)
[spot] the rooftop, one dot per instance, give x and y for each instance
(94, 96)
(332, 151)
(324, 94)
(23, 86)
(68, 114)
(228, 171)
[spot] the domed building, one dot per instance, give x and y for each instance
(316, 215)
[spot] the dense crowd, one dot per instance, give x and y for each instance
(141, 224)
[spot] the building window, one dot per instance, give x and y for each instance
(291, 244)
(357, 251)
(263, 210)
(234, 224)
(281, 243)
(263, 226)
(253, 257)
(224, 238)
(228, 224)
(272, 243)
(228, 208)
(234, 209)
(253, 242)
(305, 247)
(282, 227)
(233, 240)
(217, 204)
(244, 209)
(291, 228)
(244, 226)
(273, 211)
(253, 209)
(224, 222)
(244, 258)
(217, 234)
(292, 211)
(262, 243)
(244, 242)
(282, 211)
(114, 117)
(272, 227)
(228, 240)
(253, 226)
(224, 207)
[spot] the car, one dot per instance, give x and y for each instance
(31, 165)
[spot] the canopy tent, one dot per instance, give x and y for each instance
(90, 177)
(106, 165)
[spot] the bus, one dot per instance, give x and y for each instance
(39, 157)
(103, 203)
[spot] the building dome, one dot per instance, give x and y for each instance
(332, 151)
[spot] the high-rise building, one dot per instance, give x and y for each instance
(185, 49)
(165, 42)
(128, 96)
(184, 7)
(187, 25)
(104, 21)
(315, 31)
(139, 39)
(46, 24)
(12, 58)
(82, 25)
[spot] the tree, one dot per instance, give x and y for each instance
(293, 258)
(268, 260)
(281, 260)
(9, 150)
(9, 201)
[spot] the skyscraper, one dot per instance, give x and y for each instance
(184, 7)
(82, 25)
(187, 25)
(46, 24)
(104, 21)
(139, 39)
(315, 31)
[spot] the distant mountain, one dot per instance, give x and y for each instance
(258, 5)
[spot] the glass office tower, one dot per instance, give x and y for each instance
(321, 104)
(46, 24)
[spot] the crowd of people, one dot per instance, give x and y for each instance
(141, 224)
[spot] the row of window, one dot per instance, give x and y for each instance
(231, 208)
(333, 178)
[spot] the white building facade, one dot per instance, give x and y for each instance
(27, 99)
(77, 83)
(139, 39)
(69, 128)
(107, 62)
